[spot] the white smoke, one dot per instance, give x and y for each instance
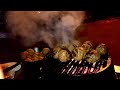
(48, 26)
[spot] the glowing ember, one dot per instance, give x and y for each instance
(1, 73)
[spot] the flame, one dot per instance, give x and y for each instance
(1, 73)
(117, 68)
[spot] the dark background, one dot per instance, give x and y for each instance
(2, 19)
(98, 15)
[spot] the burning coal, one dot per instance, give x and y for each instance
(52, 27)
(1, 73)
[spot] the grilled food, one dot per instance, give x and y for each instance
(74, 44)
(75, 50)
(45, 51)
(93, 56)
(87, 46)
(63, 56)
(89, 43)
(79, 53)
(101, 48)
(30, 55)
(56, 51)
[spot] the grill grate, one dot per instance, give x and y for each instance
(77, 68)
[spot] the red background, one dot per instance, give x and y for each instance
(105, 31)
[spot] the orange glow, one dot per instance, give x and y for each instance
(1, 73)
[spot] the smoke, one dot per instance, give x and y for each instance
(52, 27)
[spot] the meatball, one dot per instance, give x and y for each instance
(87, 47)
(63, 56)
(74, 44)
(56, 51)
(89, 43)
(79, 53)
(93, 56)
(30, 51)
(101, 48)
(45, 50)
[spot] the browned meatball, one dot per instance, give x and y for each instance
(101, 48)
(93, 56)
(56, 51)
(30, 51)
(63, 55)
(45, 50)
(79, 53)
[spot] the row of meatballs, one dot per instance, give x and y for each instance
(77, 51)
